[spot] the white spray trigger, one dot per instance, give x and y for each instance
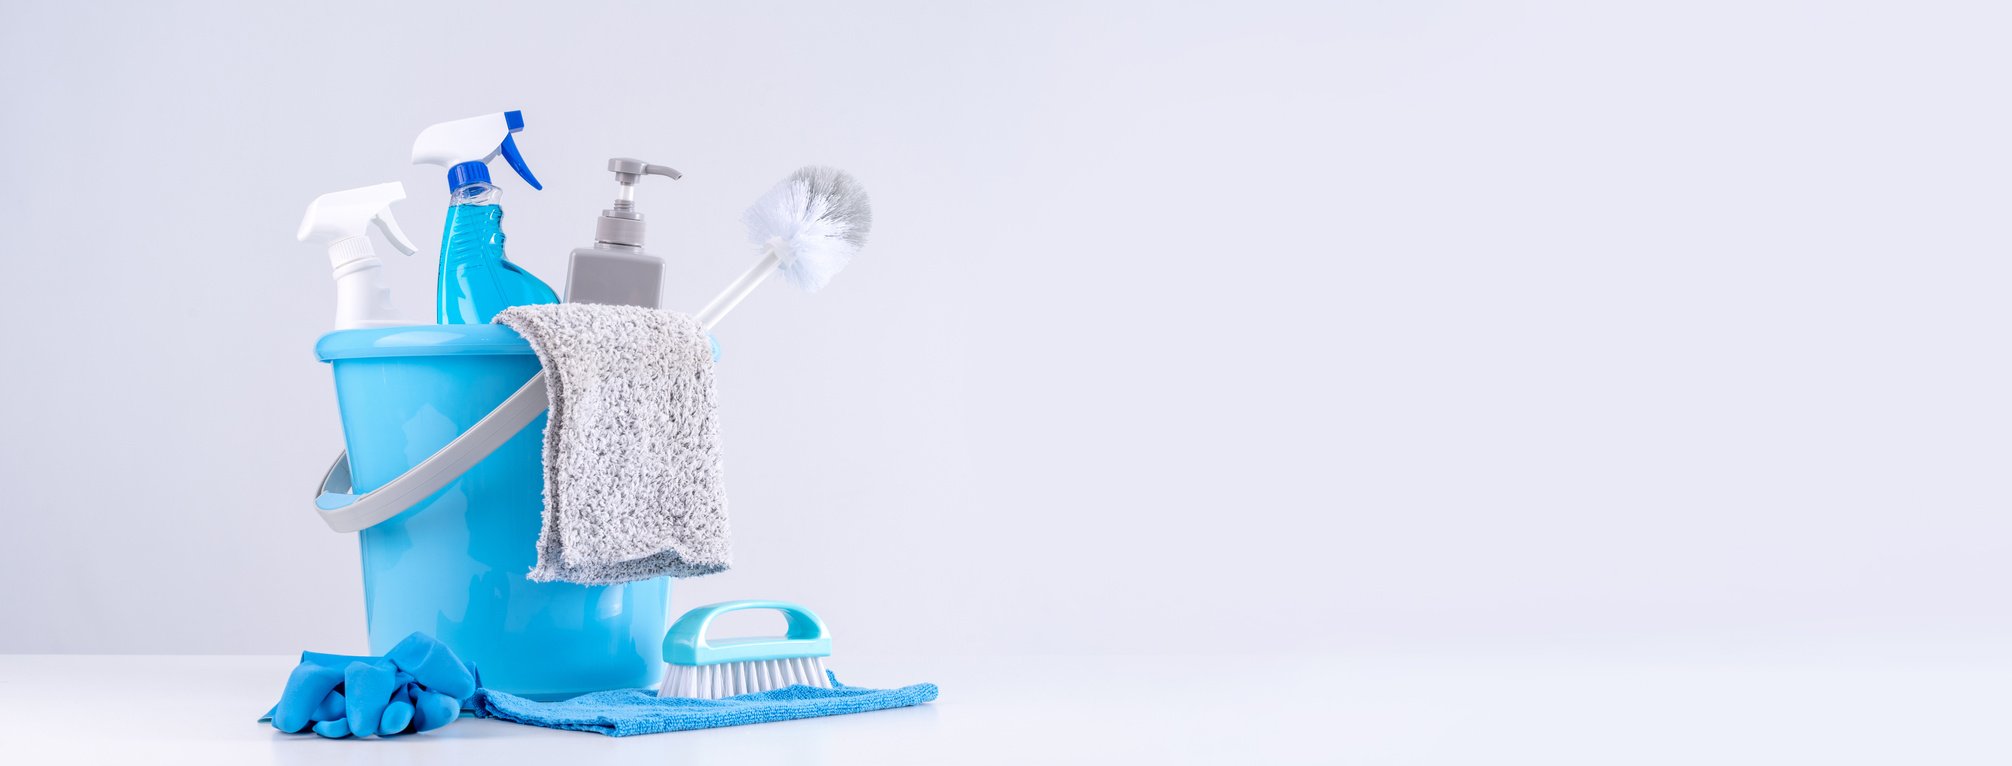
(389, 226)
(337, 216)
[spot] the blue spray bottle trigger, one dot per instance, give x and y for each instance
(516, 159)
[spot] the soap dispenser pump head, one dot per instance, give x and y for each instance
(621, 225)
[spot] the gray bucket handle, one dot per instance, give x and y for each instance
(348, 512)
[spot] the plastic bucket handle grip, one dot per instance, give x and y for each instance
(347, 512)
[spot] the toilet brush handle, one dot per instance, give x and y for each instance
(731, 297)
(347, 512)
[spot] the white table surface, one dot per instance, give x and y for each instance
(1415, 708)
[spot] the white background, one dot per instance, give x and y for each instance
(1666, 328)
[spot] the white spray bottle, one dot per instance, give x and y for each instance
(338, 219)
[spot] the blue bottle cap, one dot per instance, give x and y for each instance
(467, 173)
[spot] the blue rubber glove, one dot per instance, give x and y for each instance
(418, 686)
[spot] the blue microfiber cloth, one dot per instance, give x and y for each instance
(627, 712)
(418, 686)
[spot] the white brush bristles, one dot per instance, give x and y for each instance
(815, 220)
(729, 679)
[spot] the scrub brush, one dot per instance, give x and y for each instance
(808, 227)
(735, 666)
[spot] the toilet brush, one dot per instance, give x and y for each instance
(807, 227)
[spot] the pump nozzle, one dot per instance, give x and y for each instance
(622, 225)
(466, 146)
(337, 220)
(628, 171)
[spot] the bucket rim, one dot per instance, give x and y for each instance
(421, 340)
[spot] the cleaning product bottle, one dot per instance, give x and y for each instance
(337, 219)
(476, 280)
(615, 270)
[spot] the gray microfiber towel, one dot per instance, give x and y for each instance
(633, 485)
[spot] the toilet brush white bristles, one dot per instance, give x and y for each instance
(728, 679)
(808, 227)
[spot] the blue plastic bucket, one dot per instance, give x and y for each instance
(454, 565)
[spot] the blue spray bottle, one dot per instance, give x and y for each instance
(476, 281)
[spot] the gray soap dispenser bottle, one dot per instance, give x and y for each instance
(615, 270)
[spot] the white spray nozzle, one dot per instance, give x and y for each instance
(337, 220)
(337, 216)
(466, 146)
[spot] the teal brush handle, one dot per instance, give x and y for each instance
(686, 644)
